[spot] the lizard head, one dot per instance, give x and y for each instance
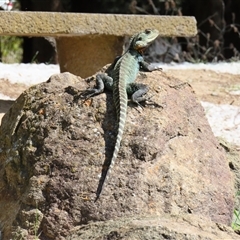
(142, 40)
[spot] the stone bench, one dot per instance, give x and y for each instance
(86, 42)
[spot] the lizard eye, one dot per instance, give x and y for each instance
(140, 38)
(147, 31)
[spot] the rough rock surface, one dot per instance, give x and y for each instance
(53, 146)
(59, 24)
(185, 227)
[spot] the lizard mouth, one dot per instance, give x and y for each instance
(141, 50)
(142, 47)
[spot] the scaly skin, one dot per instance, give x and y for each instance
(120, 79)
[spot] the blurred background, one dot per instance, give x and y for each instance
(218, 23)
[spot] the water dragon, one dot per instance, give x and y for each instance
(119, 78)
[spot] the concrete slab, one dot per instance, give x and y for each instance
(86, 42)
(59, 24)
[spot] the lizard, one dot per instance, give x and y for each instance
(119, 78)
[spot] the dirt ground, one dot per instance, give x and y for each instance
(210, 86)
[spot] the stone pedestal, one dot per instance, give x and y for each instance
(84, 55)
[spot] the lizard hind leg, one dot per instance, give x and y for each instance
(137, 92)
(102, 81)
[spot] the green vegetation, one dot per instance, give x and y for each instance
(10, 49)
(236, 216)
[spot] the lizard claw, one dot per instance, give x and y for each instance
(86, 94)
(159, 69)
(141, 107)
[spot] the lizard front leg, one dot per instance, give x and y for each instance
(145, 66)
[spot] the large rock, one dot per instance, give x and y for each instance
(53, 146)
(185, 227)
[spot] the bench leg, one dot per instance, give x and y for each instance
(85, 55)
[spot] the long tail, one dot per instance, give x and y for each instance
(120, 99)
